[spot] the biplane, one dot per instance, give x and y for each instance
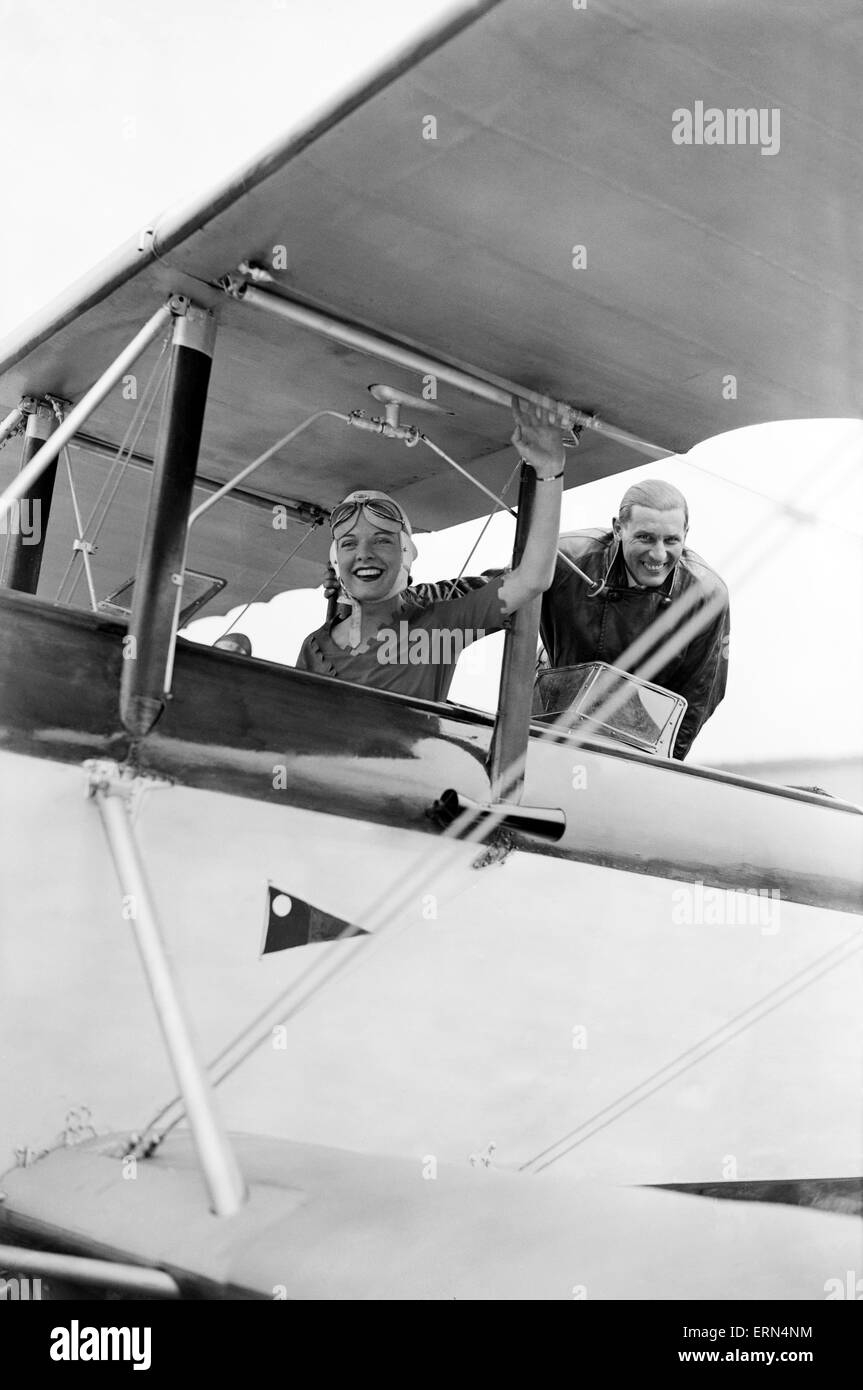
(316, 991)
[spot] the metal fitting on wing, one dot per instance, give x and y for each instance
(408, 434)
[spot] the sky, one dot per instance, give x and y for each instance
(110, 112)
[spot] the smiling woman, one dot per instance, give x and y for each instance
(373, 550)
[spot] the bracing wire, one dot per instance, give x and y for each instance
(691, 1056)
(135, 426)
(489, 519)
(500, 504)
(267, 582)
(124, 463)
(789, 507)
(228, 487)
(82, 544)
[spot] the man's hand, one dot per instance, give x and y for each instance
(538, 438)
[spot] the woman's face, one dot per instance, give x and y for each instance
(369, 560)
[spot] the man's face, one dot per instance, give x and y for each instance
(369, 559)
(651, 542)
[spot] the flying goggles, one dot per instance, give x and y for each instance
(378, 508)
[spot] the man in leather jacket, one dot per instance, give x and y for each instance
(639, 570)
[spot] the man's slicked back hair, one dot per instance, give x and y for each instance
(661, 497)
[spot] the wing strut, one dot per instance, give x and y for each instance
(515, 700)
(112, 791)
(24, 555)
(159, 574)
(50, 450)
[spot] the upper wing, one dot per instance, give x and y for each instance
(549, 129)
